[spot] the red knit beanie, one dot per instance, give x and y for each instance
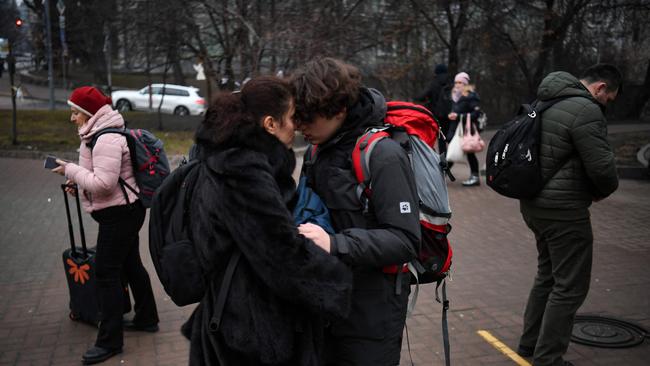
(88, 100)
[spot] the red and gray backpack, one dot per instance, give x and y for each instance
(415, 129)
(150, 164)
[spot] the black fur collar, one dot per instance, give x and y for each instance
(247, 146)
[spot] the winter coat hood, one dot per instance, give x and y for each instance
(369, 110)
(562, 84)
(106, 117)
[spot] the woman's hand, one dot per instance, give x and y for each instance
(316, 234)
(70, 187)
(452, 116)
(61, 168)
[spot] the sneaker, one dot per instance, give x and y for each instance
(472, 181)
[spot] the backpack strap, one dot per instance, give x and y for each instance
(215, 322)
(535, 110)
(120, 131)
(130, 141)
(361, 167)
(97, 134)
(180, 221)
(445, 326)
(361, 160)
(131, 146)
(445, 307)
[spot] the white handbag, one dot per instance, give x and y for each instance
(455, 153)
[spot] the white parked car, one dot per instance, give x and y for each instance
(176, 99)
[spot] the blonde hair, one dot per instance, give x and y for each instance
(468, 89)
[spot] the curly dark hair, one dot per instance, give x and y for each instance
(324, 86)
(259, 97)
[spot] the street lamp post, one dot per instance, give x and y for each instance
(11, 62)
(64, 47)
(109, 59)
(50, 66)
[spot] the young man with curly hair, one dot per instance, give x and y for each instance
(373, 234)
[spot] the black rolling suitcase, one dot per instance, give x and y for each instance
(79, 265)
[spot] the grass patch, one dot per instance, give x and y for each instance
(53, 131)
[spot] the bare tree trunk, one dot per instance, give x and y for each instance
(125, 35)
(642, 98)
(456, 28)
(147, 51)
(162, 98)
(555, 28)
(274, 60)
(174, 59)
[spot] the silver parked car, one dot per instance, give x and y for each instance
(176, 99)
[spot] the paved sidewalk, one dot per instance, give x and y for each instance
(494, 265)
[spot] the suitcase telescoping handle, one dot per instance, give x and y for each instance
(81, 224)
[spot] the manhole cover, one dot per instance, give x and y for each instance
(604, 332)
(643, 155)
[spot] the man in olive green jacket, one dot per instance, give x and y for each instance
(578, 163)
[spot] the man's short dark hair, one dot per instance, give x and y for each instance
(606, 73)
(325, 86)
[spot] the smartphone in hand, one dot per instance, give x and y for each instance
(50, 162)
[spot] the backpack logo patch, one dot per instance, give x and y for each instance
(404, 207)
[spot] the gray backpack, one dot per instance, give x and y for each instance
(150, 164)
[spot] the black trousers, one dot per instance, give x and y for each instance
(118, 252)
(563, 273)
(372, 334)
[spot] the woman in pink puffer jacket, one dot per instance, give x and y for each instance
(120, 216)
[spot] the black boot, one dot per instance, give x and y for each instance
(525, 351)
(129, 325)
(98, 354)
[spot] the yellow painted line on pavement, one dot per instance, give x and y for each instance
(503, 348)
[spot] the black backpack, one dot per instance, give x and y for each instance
(172, 252)
(512, 161)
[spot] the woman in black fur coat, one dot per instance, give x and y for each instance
(284, 287)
